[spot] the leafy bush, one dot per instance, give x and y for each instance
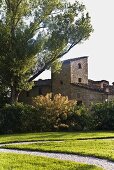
(78, 118)
(16, 118)
(46, 114)
(59, 113)
(102, 116)
(51, 109)
(3, 96)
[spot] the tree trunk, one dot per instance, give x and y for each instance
(14, 95)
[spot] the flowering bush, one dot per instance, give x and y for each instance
(59, 113)
(48, 113)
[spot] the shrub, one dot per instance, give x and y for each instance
(78, 118)
(46, 114)
(102, 116)
(51, 110)
(4, 95)
(59, 113)
(17, 118)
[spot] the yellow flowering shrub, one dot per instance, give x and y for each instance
(58, 112)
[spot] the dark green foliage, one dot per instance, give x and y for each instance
(3, 95)
(10, 118)
(75, 119)
(102, 116)
(61, 114)
(34, 35)
(16, 118)
(58, 114)
(3, 99)
(78, 118)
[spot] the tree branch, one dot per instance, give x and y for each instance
(53, 59)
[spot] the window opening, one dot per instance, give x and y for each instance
(79, 66)
(79, 80)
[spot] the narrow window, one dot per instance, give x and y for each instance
(79, 66)
(79, 80)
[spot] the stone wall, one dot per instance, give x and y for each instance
(110, 98)
(61, 81)
(26, 96)
(70, 73)
(87, 96)
(79, 70)
(67, 84)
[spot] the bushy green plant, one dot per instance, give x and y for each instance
(3, 96)
(78, 118)
(10, 119)
(102, 116)
(52, 109)
(48, 113)
(59, 113)
(17, 118)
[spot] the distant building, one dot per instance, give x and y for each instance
(73, 82)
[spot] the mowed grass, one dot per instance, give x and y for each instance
(28, 162)
(54, 136)
(98, 148)
(79, 143)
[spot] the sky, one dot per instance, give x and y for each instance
(100, 46)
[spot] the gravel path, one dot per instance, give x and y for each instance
(103, 163)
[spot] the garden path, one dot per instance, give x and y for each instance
(103, 163)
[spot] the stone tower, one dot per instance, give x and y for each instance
(79, 70)
(73, 71)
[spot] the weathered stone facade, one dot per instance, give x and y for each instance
(73, 71)
(41, 87)
(61, 81)
(73, 82)
(86, 95)
(79, 70)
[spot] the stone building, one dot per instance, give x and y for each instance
(73, 82)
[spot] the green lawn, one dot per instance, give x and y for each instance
(54, 136)
(79, 143)
(25, 162)
(99, 148)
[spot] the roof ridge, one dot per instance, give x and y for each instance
(74, 59)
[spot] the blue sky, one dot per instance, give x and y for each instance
(100, 46)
